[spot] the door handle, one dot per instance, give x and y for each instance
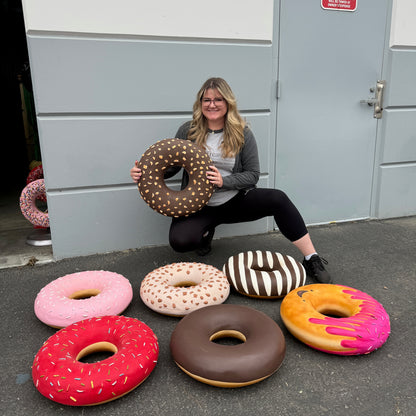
(377, 101)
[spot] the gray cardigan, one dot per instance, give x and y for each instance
(246, 171)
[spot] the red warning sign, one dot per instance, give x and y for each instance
(346, 5)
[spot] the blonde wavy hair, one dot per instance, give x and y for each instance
(234, 124)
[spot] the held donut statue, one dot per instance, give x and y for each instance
(82, 295)
(180, 288)
(34, 190)
(360, 325)
(152, 187)
(259, 355)
(59, 375)
(264, 274)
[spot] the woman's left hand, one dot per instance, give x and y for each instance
(214, 176)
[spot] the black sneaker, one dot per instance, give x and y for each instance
(315, 269)
(206, 244)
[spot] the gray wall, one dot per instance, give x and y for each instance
(395, 175)
(102, 101)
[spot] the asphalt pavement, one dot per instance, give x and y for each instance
(376, 256)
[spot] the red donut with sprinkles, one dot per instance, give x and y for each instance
(59, 374)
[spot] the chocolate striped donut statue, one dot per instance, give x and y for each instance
(264, 274)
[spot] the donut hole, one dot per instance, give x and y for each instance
(185, 283)
(173, 186)
(96, 352)
(84, 294)
(228, 337)
(184, 277)
(264, 268)
(173, 183)
(40, 203)
(335, 312)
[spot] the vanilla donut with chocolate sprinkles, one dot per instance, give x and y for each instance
(180, 288)
(175, 152)
(264, 274)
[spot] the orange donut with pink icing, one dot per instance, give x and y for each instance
(335, 319)
(82, 295)
(180, 288)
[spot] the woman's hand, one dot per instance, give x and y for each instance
(214, 176)
(135, 172)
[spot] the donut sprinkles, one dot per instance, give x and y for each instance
(363, 325)
(152, 187)
(58, 374)
(34, 190)
(180, 288)
(264, 274)
(34, 174)
(82, 295)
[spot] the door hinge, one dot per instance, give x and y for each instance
(277, 89)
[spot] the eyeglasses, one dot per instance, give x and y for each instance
(216, 101)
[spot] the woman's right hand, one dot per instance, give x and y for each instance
(135, 172)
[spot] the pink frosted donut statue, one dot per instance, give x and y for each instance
(82, 295)
(59, 374)
(34, 190)
(35, 174)
(335, 319)
(180, 288)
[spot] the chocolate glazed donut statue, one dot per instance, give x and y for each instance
(175, 152)
(195, 351)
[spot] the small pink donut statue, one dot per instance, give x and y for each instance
(35, 174)
(82, 295)
(33, 191)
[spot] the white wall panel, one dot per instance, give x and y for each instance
(116, 218)
(397, 183)
(82, 152)
(403, 28)
(399, 136)
(216, 19)
(401, 88)
(85, 75)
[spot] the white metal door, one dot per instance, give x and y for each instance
(328, 61)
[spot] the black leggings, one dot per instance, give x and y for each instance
(186, 233)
